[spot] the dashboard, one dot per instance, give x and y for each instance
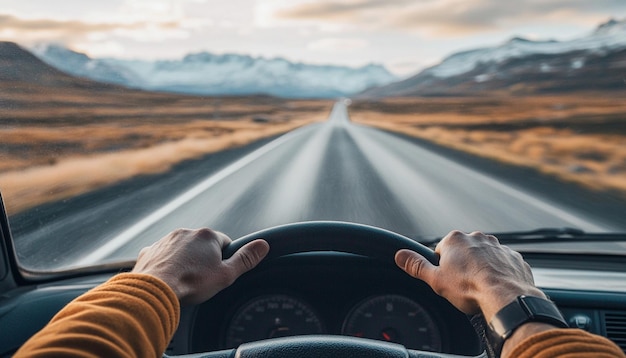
(327, 293)
(343, 294)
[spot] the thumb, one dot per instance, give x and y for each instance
(416, 265)
(248, 256)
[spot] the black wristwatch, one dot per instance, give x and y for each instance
(523, 309)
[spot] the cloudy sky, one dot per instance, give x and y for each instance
(404, 35)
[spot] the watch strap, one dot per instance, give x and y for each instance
(523, 309)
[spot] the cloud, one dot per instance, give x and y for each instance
(70, 31)
(338, 13)
(449, 17)
(106, 48)
(337, 44)
(47, 25)
(339, 9)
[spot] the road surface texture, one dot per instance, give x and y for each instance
(334, 170)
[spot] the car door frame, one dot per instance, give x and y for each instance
(9, 272)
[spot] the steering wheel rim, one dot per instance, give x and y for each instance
(315, 236)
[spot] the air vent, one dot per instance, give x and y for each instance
(615, 323)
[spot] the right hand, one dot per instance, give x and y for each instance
(475, 273)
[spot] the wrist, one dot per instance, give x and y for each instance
(171, 282)
(500, 296)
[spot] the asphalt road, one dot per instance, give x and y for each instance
(334, 170)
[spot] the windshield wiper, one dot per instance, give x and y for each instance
(547, 235)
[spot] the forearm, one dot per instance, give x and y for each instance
(131, 315)
(537, 340)
(478, 275)
(521, 334)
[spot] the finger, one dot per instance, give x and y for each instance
(210, 235)
(416, 265)
(452, 236)
(248, 256)
(223, 239)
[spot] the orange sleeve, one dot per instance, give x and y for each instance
(131, 315)
(570, 343)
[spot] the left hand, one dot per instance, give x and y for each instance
(190, 262)
(475, 273)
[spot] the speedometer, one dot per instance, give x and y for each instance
(393, 318)
(271, 316)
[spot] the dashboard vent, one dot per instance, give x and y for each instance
(615, 323)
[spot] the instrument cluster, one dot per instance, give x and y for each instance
(387, 317)
(328, 294)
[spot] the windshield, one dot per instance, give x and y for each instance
(123, 120)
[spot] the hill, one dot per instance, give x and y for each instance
(596, 62)
(20, 69)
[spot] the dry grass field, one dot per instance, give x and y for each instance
(577, 138)
(58, 144)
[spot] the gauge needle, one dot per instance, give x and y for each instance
(389, 334)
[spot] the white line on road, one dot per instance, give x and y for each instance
(465, 171)
(336, 118)
(565, 215)
(129, 234)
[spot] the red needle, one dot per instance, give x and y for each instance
(386, 336)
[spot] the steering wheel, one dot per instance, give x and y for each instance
(314, 236)
(352, 238)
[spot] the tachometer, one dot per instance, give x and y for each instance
(271, 316)
(393, 318)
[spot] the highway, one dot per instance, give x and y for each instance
(335, 170)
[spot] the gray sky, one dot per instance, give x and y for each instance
(404, 35)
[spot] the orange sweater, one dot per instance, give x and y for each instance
(135, 315)
(131, 315)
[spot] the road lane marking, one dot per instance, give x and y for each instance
(545, 206)
(293, 189)
(507, 189)
(338, 116)
(129, 234)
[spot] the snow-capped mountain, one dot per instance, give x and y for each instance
(81, 65)
(607, 37)
(524, 63)
(228, 74)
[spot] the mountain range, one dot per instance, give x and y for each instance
(228, 74)
(595, 62)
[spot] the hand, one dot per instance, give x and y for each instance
(190, 262)
(475, 273)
